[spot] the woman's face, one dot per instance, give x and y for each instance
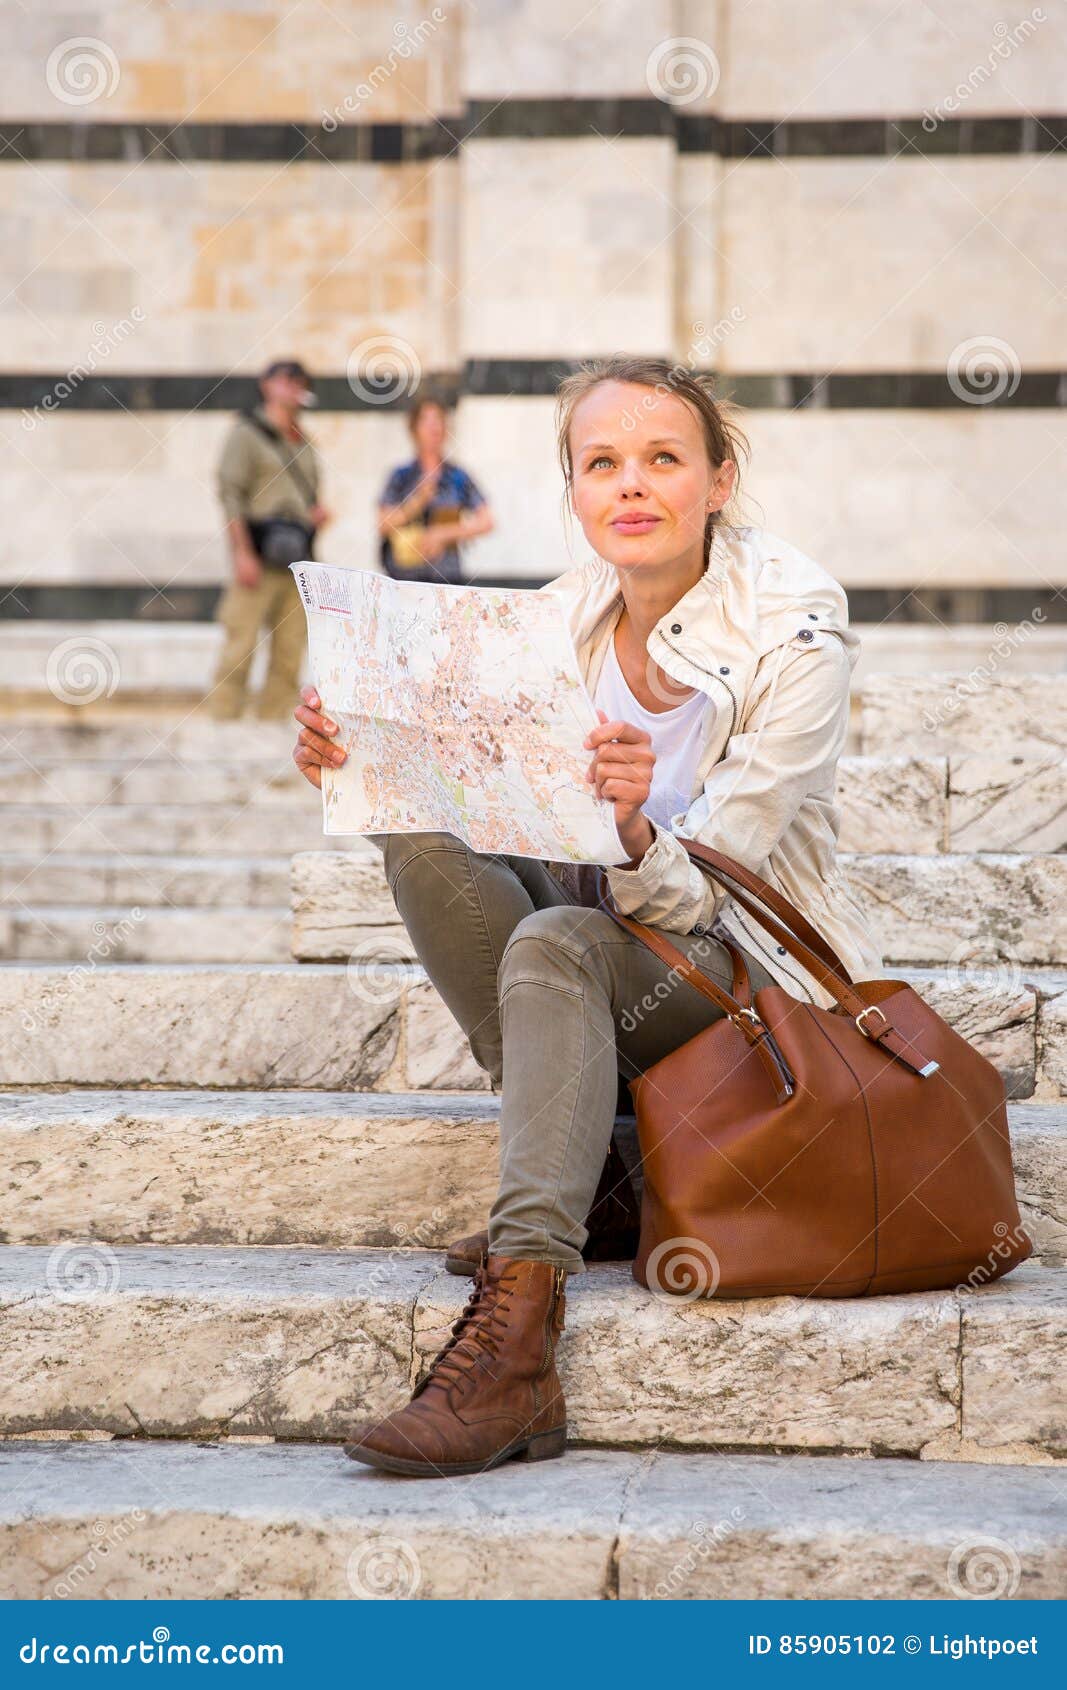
(430, 430)
(643, 485)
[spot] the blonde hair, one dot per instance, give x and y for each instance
(723, 437)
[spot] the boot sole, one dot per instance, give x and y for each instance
(546, 1446)
(457, 1265)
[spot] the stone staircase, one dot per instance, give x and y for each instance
(230, 1177)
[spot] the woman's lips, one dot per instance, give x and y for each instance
(640, 526)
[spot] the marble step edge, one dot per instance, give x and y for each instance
(306, 1343)
(167, 1520)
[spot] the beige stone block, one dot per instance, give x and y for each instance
(240, 1168)
(545, 48)
(310, 1344)
(1039, 1151)
(552, 271)
(198, 1025)
(904, 498)
(299, 1521)
(817, 1529)
(1008, 803)
(1015, 1330)
(892, 803)
(990, 912)
(340, 903)
(890, 62)
(438, 1055)
(1000, 715)
(1052, 1045)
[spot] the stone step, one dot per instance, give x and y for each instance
(183, 737)
(911, 805)
(69, 933)
(381, 1026)
(196, 1341)
(990, 709)
(340, 1169)
(248, 830)
(163, 780)
(981, 910)
(226, 1521)
(107, 878)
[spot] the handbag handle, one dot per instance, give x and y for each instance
(833, 976)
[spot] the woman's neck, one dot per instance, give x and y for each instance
(646, 601)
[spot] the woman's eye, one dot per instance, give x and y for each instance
(664, 453)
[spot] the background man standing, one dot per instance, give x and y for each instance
(268, 483)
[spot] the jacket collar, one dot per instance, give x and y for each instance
(758, 592)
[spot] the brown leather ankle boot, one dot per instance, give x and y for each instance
(492, 1392)
(613, 1223)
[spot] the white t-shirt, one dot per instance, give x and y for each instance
(678, 736)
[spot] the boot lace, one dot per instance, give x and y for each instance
(476, 1335)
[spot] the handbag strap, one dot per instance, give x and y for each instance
(290, 463)
(734, 875)
(836, 981)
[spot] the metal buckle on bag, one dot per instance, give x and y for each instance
(924, 1072)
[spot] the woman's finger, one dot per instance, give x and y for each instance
(622, 731)
(324, 749)
(314, 719)
(311, 771)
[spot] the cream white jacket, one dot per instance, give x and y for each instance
(764, 633)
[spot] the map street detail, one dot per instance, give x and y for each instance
(462, 710)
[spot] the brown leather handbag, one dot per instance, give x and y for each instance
(795, 1150)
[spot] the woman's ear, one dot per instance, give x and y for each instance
(725, 476)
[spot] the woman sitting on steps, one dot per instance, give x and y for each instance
(719, 658)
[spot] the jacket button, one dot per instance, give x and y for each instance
(805, 634)
(724, 671)
(700, 928)
(781, 950)
(676, 627)
(812, 616)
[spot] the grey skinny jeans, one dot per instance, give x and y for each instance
(556, 1000)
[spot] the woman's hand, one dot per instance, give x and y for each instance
(621, 771)
(314, 749)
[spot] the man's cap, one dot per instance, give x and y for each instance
(286, 367)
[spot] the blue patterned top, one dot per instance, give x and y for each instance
(455, 489)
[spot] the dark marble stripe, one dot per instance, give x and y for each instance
(49, 394)
(927, 606)
(341, 140)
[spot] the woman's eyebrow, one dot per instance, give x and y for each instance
(663, 440)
